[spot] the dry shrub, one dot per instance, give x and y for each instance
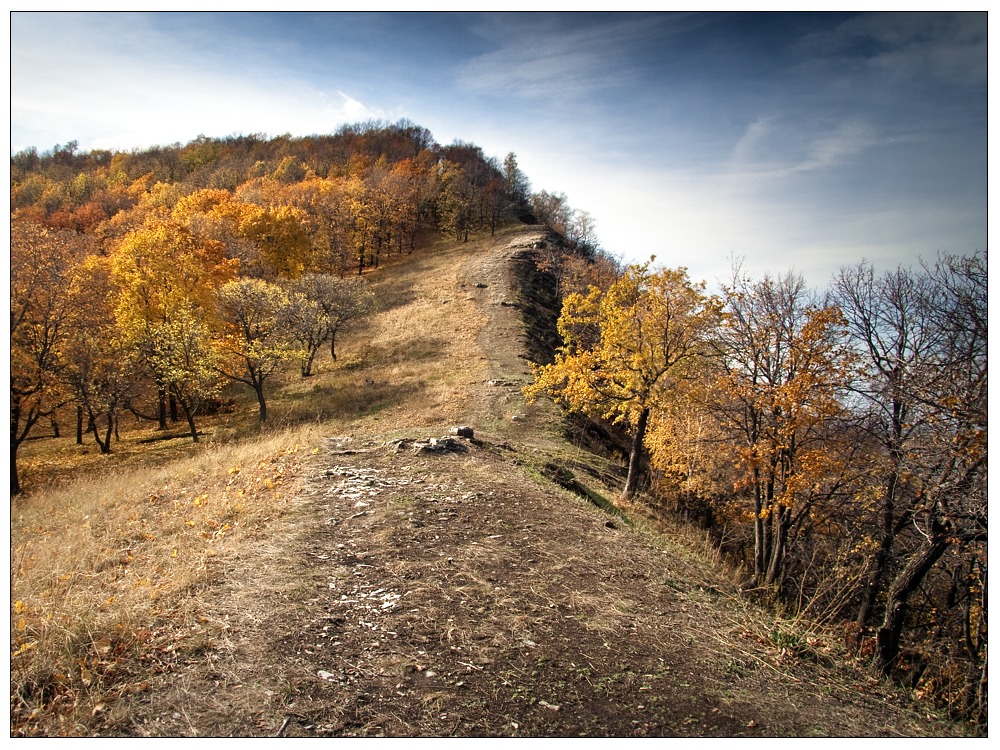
(103, 569)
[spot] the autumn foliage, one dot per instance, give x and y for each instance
(834, 444)
(143, 283)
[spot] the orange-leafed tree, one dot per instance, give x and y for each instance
(41, 265)
(784, 366)
(100, 365)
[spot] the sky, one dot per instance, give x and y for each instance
(786, 141)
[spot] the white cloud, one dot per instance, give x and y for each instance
(113, 84)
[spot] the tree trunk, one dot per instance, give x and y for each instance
(760, 532)
(259, 390)
(161, 408)
(897, 605)
(15, 482)
(79, 425)
(782, 521)
(307, 362)
(189, 416)
(173, 407)
(873, 586)
(105, 444)
(635, 457)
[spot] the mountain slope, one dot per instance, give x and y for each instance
(457, 587)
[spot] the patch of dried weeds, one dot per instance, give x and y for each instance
(104, 571)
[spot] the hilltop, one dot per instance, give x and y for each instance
(414, 582)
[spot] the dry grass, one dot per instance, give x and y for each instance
(102, 570)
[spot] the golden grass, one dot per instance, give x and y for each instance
(102, 569)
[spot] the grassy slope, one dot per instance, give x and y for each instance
(176, 589)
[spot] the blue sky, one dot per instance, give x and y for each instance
(795, 141)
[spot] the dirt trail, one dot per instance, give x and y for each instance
(423, 590)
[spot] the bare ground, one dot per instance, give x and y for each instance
(414, 592)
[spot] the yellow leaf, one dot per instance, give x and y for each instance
(25, 647)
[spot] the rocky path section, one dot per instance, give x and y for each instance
(449, 600)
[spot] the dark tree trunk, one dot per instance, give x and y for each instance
(161, 408)
(635, 457)
(105, 443)
(173, 407)
(189, 416)
(15, 482)
(307, 362)
(873, 586)
(259, 390)
(79, 425)
(897, 605)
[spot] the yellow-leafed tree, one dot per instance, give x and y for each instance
(629, 348)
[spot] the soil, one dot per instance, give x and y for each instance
(474, 587)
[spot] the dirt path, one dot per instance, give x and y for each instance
(451, 589)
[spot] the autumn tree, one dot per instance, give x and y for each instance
(165, 278)
(783, 369)
(627, 350)
(885, 314)
(41, 264)
(100, 365)
(552, 209)
(252, 346)
(320, 306)
(948, 459)
(454, 202)
(516, 184)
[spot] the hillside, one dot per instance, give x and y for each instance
(415, 587)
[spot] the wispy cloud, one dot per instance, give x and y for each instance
(561, 55)
(949, 48)
(773, 148)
